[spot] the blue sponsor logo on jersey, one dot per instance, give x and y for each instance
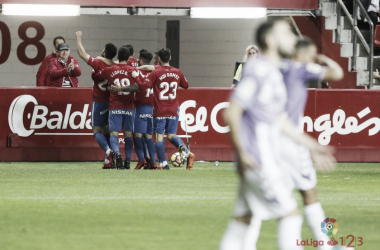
(168, 117)
(121, 112)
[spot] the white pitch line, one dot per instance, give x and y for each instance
(118, 198)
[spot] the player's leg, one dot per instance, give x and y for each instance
(242, 231)
(160, 149)
(152, 150)
(289, 230)
(127, 130)
(171, 131)
(115, 123)
(314, 215)
(150, 143)
(145, 149)
(304, 176)
(140, 128)
(99, 119)
(159, 130)
(139, 149)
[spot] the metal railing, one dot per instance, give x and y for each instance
(357, 34)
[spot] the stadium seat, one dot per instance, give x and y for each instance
(377, 36)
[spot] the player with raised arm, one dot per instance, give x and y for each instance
(121, 107)
(257, 119)
(100, 96)
(296, 74)
(165, 80)
(143, 124)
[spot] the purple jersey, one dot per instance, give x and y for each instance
(262, 94)
(296, 75)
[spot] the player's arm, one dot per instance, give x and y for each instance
(147, 83)
(322, 155)
(131, 88)
(183, 82)
(240, 99)
(106, 61)
(146, 67)
(101, 75)
(81, 51)
(333, 71)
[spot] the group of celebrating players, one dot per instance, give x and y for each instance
(273, 156)
(140, 99)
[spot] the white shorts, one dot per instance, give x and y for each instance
(266, 193)
(296, 159)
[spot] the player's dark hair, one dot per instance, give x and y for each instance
(164, 55)
(263, 31)
(130, 47)
(110, 50)
(123, 54)
(145, 56)
(304, 43)
(58, 37)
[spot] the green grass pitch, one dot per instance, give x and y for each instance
(80, 206)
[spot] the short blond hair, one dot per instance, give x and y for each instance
(254, 47)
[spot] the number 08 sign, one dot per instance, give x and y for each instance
(26, 41)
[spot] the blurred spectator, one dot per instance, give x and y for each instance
(373, 11)
(43, 77)
(250, 51)
(64, 69)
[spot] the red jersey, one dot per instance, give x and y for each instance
(120, 75)
(165, 80)
(133, 62)
(144, 96)
(101, 87)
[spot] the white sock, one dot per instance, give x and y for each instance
(289, 231)
(108, 152)
(314, 215)
(252, 234)
(164, 163)
(233, 238)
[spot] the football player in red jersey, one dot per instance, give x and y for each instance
(100, 97)
(121, 105)
(143, 123)
(131, 61)
(165, 80)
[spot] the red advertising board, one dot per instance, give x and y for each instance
(53, 124)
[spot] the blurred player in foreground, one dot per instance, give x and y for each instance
(296, 157)
(100, 96)
(121, 107)
(165, 80)
(143, 124)
(257, 119)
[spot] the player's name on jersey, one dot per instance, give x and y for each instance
(169, 75)
(121, 72)
(121, 112)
